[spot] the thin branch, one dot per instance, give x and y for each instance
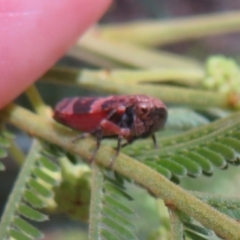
(145, 176)
(186, 96)
(188, 77)
(95, 204)
(176, 225)
(92, 58)
(16, 153)
(37, 102)
(132, 55)
(14, 150)
(174, 30)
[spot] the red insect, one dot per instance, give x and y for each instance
(124, 117)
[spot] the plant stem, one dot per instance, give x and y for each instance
(16, 153)
(131, 55)
(175, 95)
(176, 225)
(92, 58)
(37, 102)
(139, 173)
(189, 77)
(95, 204)
(151, 33)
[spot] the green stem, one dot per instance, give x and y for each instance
(170, 31)
(138, 172)
(16, 153)
(176, 225)
(133, 56)
(13, 149)
(35, 98)
(92, 58)
(176, 95)
(164, 228)
(95, 204)
(189, 77)
(37, 102)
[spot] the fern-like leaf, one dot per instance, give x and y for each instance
(227, 205)
(192, 229)
(184, 119)
(4, 143)
(30, 191)
(109, 217)
(195, 152)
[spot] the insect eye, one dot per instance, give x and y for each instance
(143, 110)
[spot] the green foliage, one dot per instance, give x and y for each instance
(226, 205)
(195, 152)
(32, 190)
(110, 218)
(222, 74)
(190, 153)
(184, 119)
(5, 138)
(72, 196)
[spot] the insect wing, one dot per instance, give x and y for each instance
(77, 113)
(81, 122)
(85, 114)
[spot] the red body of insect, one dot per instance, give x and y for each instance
(129, 117)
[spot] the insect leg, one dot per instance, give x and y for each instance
(81, 136)
(120, 109)
(114, 129)
(154, 141)
(127, 143)
(99, 135)
(119, 146)
(86, 134)
(124, 145)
